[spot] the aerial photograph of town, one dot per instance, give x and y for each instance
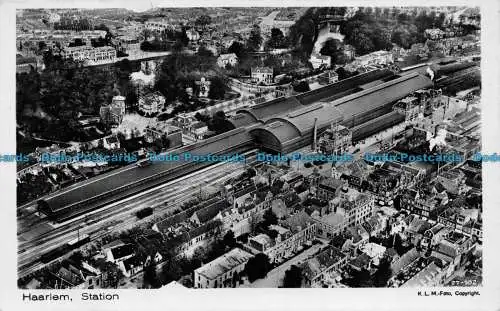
(249, 147)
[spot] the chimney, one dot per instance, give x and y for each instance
(315, 133)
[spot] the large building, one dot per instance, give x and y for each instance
(113, 113)
(262, 75)
(159, 26)
(222, 271)
(227, 59)
(335, 140)
(362, 103)
(87, 53)
(151, 103)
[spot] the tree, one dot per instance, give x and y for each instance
(403, 36)
(277, 186)
(112, 275)
(171, 271)
(151, 276)
(217, 88)
(383, 274)
(255, 39)
(203, 21)
(277, 39)
(199, 254)
(363, 43)
(342, 73)
(257, 267)
(237, 48)
(251, 172)
(398, 245)
(303, 33)
(386, 12)
(293, 277)
(219, 123)
(360, 279)
(273, 234)
(331, 46)
(42, 45)
(302, 86)
(229, 239)
(335, 49)
(382, 39)
(270, 218)
(204, 52)
(181, 36)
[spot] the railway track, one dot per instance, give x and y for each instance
(107, 216)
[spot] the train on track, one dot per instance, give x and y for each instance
(64, 249)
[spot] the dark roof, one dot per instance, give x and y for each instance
(24, 60)
(191, 234)
(291, 199)
(267, 110)
(208, 213)
(321, 262)
(282, 105)
(390, 252)
(262, 70)
(242, 119)
(165, 224)
(381, 94)
(112, 139)
(406, 259)
(198, 125)
(133, 261)
(70, 277)
(338, 240)
(131, 174)
(123, 251)
(342, 86)
(77, 268)
(247, 189)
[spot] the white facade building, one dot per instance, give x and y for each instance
(221, 271)
(151, 103)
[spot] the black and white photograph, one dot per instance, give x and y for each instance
(249, 156)
(249, 147)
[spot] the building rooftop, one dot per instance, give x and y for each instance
(333, 219)
(262, 70)
(262, 239)
(224, 263)
(208, 213)
(405, 260)
(331, 184)
(322, 261)
(425, 277)
(373, 250)
(298, 221)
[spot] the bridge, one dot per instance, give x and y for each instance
(331, 21)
